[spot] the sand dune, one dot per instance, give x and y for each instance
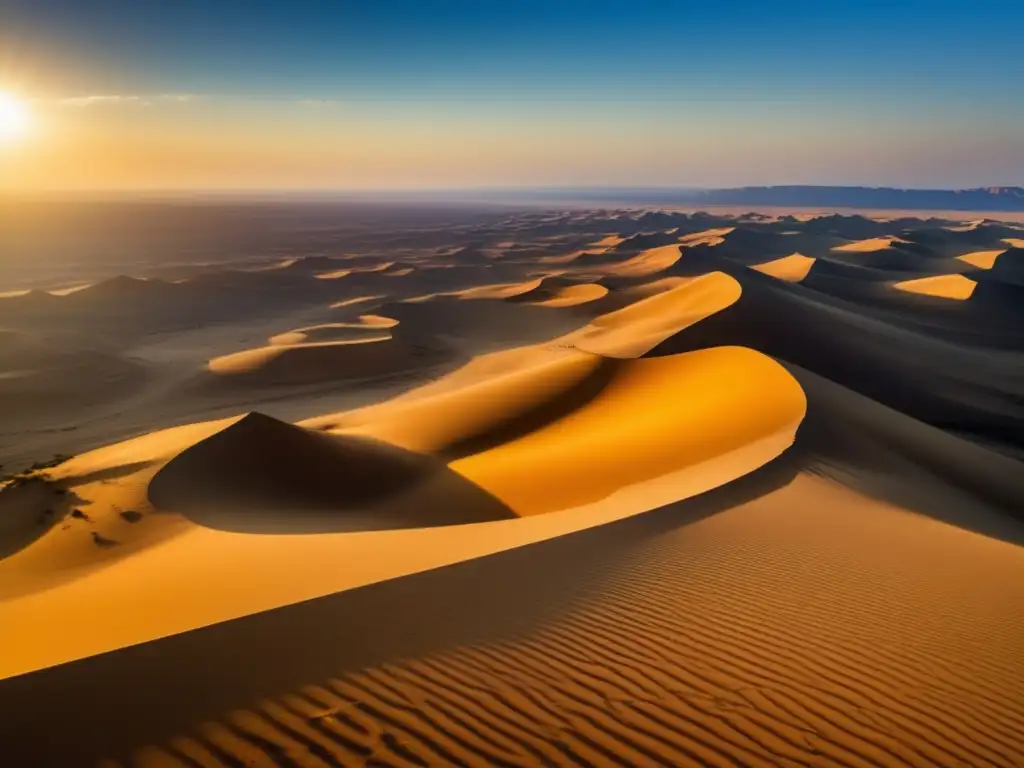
(793, 268)
(850, 344)
(262, 475)
(646, 241)
(982, 259)
(301, 363)
(541, 487)
(639, 327)
(606, 446)
(366, 327)
(477, 324)
(574, 295)
(498, 291)
(870, 245)
(647, 263)
(943, 286)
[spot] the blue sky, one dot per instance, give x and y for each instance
(943, 80)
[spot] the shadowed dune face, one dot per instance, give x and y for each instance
(262, 475)
(540, 487)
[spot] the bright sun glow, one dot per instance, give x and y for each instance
(15, 120)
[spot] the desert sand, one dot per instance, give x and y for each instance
(558, 488)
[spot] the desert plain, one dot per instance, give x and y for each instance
(542, 487)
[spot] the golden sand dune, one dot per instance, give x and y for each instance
(346, 303)
(451, 415)
(870, 245)
(384, 266)
(609, 445)
(639, 327)
(652, 288)
(609, 241)
(647, 263)
(292, 470)
(320, 361)
(942, 286)
(574, 295)
(793, 268)
(982, 259)
(505, 291)
(366, 327)
(706, 237)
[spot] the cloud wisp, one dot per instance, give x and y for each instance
(118, 99)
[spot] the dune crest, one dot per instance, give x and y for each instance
(639, 327)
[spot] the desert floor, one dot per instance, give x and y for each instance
(583, 487)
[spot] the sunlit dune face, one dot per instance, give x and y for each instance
(15, 120)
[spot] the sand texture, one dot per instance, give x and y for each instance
(545, 488)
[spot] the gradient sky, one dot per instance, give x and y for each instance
(451, 93)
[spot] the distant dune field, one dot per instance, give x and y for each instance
(615, 487)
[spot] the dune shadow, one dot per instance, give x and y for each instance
(113, 703)
(886, 455)
(546, 412)
(950, 385)
(261, 475)
(30, 509)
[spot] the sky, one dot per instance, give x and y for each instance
(380, 94)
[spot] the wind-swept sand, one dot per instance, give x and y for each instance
(723, 490)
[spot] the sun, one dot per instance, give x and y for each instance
(15, 119)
